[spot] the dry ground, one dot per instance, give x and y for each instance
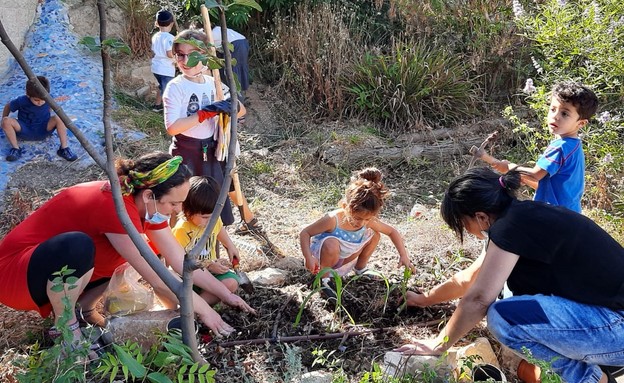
(288, 187)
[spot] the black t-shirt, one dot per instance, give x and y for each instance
(562, 253)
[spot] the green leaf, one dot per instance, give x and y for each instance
(57, 288)
(71, 280)
(157, 377)
(135, 368)
(248, 3)
(211, 4)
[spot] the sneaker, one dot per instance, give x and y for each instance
(157, 108)
(14, 154)
(67, 154)
(328, 288)
(251, 227)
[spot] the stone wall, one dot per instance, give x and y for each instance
(16, 17)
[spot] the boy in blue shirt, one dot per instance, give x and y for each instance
(558, 176)
(33, 122)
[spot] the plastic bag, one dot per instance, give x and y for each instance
(125, 294)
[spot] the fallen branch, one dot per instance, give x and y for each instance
(297, 338)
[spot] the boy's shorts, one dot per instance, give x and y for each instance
(33, 132)
(220, 277)
(162, 81)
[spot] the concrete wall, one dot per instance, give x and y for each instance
(16, 17)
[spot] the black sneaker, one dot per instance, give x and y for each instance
(14, 154)
(67, 154)
(157, 108)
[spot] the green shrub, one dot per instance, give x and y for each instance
(413, 85)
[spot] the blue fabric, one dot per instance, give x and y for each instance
(575, 337)
(565, 182)
(33, 116)
(224, 106)
(162, 81)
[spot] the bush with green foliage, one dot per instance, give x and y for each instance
(412, 86)
(582, 41)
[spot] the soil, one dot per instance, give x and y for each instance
(289, 186)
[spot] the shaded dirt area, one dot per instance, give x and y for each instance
(289, 186)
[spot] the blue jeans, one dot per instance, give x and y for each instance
(579, 336)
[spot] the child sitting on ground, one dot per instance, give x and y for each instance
(197, 210)
(351, 233)
(558, 176)
(33, 122)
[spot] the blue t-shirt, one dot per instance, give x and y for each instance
(29, 113)
(565, 182)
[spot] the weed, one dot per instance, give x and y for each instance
(547, 375)
(172, 361)
(261, 167)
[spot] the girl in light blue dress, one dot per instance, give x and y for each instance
(346, 237)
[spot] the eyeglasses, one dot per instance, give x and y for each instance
(182, 56)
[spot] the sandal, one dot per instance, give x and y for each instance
(89, 317)
(75, 345)
(251, 227)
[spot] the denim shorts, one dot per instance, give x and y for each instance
(162, 81)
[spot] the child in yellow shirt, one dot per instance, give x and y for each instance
(197, 210)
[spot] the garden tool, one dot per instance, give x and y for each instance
(478, 152)
(245, 283)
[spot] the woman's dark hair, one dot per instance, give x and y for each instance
(202, 196)
(366, 192)
(147, 163)
(478, 190)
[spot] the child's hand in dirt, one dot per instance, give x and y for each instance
(234, 300)
(501, 166)
(405, 261)
(312, 264)
(415, 299)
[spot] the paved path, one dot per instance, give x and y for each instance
(75, 74)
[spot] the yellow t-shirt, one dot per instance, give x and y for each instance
(188, 234)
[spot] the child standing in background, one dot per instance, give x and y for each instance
(558, 177)
(352, 232)
(163, 66)
(240, 54)
(192, 128)
(197, 209)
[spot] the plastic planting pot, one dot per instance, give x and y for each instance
(483, 372)
(176, 323)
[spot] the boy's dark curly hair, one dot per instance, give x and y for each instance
(31, 88)
(583, 98)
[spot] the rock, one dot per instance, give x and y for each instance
(144, 75)
(143, 91)
(268, 277)
(317, 377)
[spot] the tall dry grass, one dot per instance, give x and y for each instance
(316, 47)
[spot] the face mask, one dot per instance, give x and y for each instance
(157, 218)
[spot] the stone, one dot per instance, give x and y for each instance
(268, 277)
(317, 377)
